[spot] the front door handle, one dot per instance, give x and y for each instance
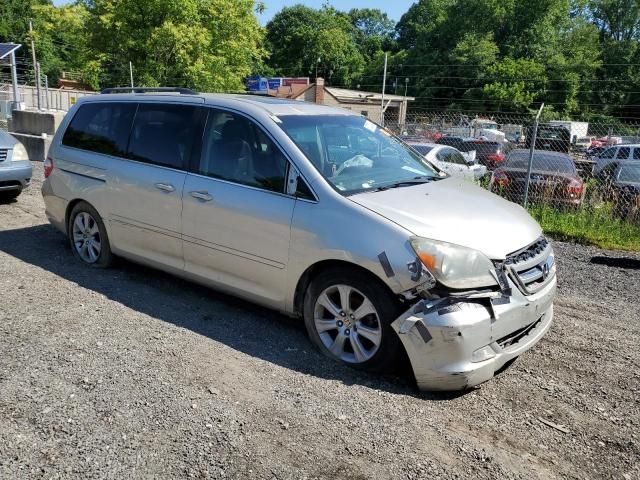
(202, 195)
(166, 187)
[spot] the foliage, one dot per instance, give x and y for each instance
(209, 45)
(303, 40)
(593, 226)
(580, 57)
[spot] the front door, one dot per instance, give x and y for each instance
(236, 217)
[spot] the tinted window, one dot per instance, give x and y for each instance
(623, 153)
(542, 162)
(101, 127)
(235, 149)
(451, 156)
(636, 153)
(608, 153)
(421, 149)
(480, 147)
(451, 141)
(165, 134)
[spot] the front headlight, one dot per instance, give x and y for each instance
(19, 153)
(453, 265)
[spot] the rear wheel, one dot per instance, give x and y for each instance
(88, 236)
(348, 316)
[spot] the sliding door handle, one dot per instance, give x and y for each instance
(167, 187)
(202, 195)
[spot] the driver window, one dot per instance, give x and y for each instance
(237, 150)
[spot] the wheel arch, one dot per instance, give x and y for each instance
(71, 205)
(322, 266)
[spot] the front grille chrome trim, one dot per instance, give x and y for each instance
(532, 267)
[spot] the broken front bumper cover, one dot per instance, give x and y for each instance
(456, 343)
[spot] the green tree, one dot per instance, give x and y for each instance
(209, 45)
(374, 31)
(61, 38)
(304, 40)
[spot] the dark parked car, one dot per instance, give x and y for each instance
(620, 181)
(554, 178)
(489, 154)
(452, 141)
(555, 138)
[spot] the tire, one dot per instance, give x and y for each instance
(88, 236)
(332, 322)
(9, 195)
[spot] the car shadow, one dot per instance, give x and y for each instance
(618, 262)
(246, 327)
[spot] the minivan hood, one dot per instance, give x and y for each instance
(456, 211)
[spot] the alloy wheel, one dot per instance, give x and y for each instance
(86, 237)
(347, 323)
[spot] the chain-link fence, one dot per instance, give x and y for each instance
(574, 167)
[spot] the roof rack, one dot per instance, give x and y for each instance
(180, 90)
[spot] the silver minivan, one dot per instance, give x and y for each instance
(313, 211)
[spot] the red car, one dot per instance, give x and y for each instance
(554, 179)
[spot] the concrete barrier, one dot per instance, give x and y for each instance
(37, 146)
(33, 122)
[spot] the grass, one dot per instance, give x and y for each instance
(591, 225)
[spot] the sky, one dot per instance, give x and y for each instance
(394, 8)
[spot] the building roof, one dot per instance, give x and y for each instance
(343, 94)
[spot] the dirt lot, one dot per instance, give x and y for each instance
(129, 372)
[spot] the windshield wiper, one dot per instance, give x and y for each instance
(406, 183)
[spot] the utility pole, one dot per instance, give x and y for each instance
(131, 72)
(36, 70)
(384, 86)
(46, 90)
(405, 103)
(14, 81)
(531, 152)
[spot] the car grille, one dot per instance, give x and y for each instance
(532, 267)
(3, 154)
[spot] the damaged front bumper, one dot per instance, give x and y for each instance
(456, 343)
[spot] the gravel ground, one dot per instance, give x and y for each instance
(129, 372)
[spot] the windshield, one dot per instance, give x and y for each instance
(488, 126)
(541, 162)
(354, 154)
(629, 173)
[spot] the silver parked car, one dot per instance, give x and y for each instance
(15, 167)
(314, 211)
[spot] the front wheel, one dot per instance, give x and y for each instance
(348, 316)
(88, 236)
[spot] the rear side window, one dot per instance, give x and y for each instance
(636, 153)
(166, 134)
(623, 153)
(101, 128)
(608, 153)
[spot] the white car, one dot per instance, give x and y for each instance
(451, 160)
